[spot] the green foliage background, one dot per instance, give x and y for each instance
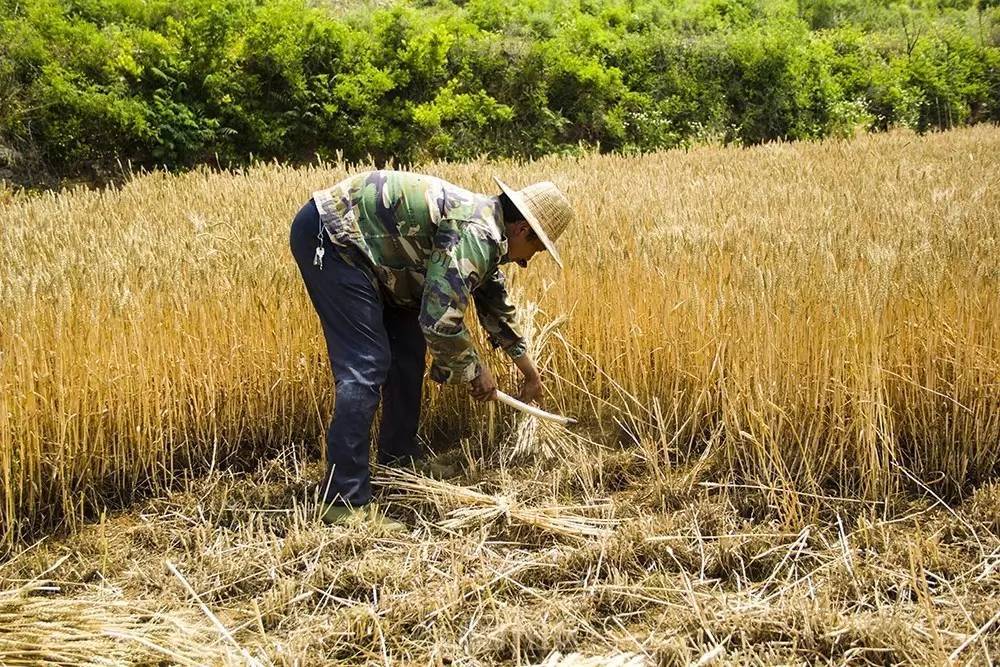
(88, 84)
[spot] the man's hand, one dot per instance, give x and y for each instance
(483, 387)
(531, 389)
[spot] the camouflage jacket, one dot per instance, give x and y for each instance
(431, 245)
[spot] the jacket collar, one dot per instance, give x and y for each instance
(501, 230)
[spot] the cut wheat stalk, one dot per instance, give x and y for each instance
(557, 659)
(40, 626)
(223, 630)
(476, 507)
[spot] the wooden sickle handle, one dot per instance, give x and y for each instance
(532, 410)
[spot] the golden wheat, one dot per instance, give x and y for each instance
(817, 318)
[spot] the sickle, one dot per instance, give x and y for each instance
(532, 410)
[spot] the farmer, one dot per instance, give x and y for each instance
(390, 260)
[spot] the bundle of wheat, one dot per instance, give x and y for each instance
(42, 626)
(462, 507)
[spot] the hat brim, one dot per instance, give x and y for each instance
(522, 206)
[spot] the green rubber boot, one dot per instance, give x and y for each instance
(435, 468)
(356, 517)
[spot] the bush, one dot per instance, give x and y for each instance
(88, 83)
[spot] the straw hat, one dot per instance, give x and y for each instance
(545, 208)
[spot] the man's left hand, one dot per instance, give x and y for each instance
(531, 389)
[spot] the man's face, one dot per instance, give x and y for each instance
(522, 244)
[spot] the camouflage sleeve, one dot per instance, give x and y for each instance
(455, 268)
(496, 314)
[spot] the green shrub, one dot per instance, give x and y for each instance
(85, 84)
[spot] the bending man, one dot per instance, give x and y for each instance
(391, 260)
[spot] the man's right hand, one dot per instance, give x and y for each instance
(483, 387)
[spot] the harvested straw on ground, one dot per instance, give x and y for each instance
(462, 507)
(39, 626)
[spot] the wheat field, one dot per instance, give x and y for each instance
(804, 316)
(785, 361)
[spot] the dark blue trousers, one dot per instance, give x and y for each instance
(376, 352)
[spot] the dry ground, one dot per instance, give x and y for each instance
(586, 556)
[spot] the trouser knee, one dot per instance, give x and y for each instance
(363, 376)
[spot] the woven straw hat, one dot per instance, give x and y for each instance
(545, 208)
